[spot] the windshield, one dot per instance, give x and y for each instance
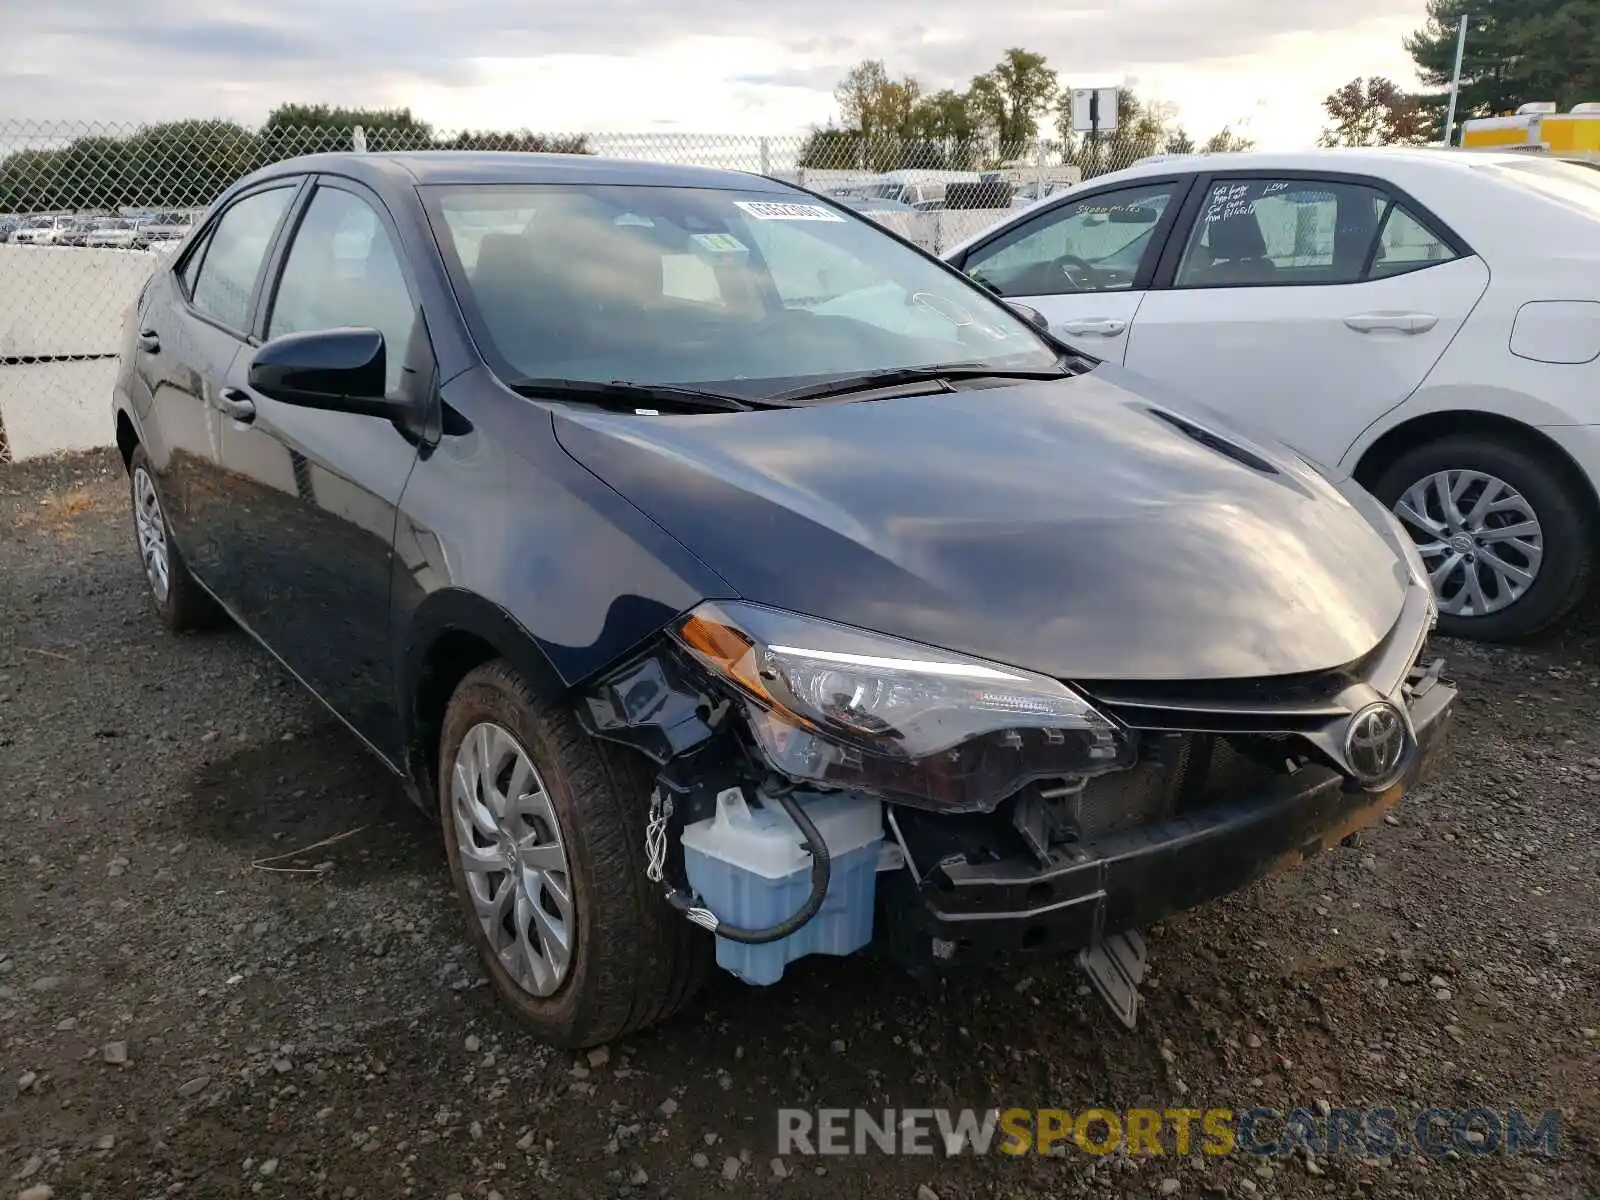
(748, 293)
(1567, 183)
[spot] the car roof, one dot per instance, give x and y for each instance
(413, 168)
(1373, 159)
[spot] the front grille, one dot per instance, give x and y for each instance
(1230, 772)
(1245, 734)
(1146, 795)
(1284, 705)
(1188, 773)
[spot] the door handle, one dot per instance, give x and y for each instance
(1103, 326)
(1396, 322)
(237, 404)
(149, 342)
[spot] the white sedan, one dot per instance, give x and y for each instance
(116, 233)
(41, 231)
(1426, 321)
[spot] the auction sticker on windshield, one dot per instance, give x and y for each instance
(720, 243)
(774, 210)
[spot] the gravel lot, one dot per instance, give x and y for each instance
(177, 1018)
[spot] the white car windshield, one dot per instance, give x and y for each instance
(1568, 183)
(747, 292)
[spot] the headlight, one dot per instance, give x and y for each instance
(845, 708)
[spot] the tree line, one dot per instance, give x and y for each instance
(186, 164)
(1517, 51)
(1001, 116)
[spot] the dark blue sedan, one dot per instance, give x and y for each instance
(736, 580)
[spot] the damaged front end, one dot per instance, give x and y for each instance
(822, 786)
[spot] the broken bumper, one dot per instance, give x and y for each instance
(963, 911)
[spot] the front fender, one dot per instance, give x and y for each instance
(502, 536)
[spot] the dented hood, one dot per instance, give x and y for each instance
(1076, 527)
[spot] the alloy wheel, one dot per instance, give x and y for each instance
(1479, 538)
(152, 530)
(511, 850)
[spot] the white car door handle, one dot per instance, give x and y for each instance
(1398, 322)
(1104, 326)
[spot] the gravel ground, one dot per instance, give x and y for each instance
(191, 1003)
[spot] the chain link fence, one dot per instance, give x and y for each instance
(87, 211)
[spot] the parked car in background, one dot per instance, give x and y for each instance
(117, 233)
(1030, 193)
(1426, 321)
(712, 562)
(914, 188)
(76, 231)
(41, 231)
(874, 204)
(166, 226)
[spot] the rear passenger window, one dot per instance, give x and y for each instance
(232, 261)
(1281, 232)
(1405, 244)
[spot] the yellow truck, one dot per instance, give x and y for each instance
(1538, 127)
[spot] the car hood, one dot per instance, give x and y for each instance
(1074, 527)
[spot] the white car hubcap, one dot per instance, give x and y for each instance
(1478, 536)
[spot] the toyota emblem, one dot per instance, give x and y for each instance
(1375, 746)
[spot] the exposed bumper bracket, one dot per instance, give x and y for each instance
(1115, 965)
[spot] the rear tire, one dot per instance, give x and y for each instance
(1546, 490)
(628, 960)
(181, 603)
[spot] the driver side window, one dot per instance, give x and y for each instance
(1091, 245)
(344, 271)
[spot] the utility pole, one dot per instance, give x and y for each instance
(1094, 129)
(1455, 82)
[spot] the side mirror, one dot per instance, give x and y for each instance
(1031, 315)
(340, 370)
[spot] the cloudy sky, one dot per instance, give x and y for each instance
(733, 66)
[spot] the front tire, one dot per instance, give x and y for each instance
(180, 602)
(544, 828)
(1506, 532)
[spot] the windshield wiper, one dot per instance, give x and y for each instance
(895, 376)
(634, 395)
